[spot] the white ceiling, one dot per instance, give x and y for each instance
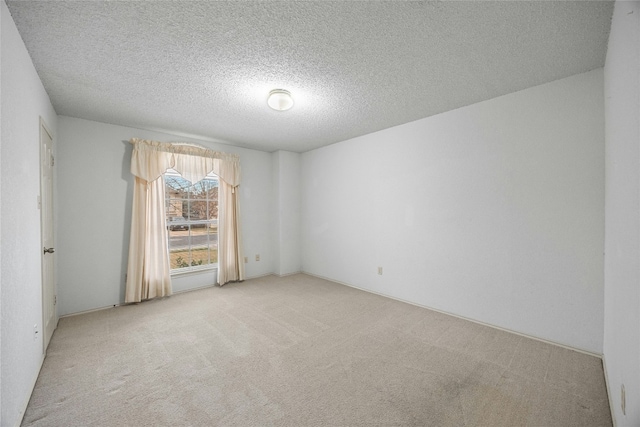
(205, 68)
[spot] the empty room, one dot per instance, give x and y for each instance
(282, 213)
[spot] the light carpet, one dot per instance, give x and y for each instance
(302, 351)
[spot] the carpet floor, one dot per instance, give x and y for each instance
(302, 351)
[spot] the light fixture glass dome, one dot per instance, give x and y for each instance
(280, 100)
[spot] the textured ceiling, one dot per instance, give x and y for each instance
(205, 68)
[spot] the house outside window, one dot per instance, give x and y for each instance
(192, 222)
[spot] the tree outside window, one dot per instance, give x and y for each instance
(192, 221)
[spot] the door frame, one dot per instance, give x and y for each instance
(47, 337)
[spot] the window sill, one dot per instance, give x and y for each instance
(188, 271)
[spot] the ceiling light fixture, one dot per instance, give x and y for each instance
(280, 100)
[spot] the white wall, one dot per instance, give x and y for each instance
(286, 201)
(622, 207)
(24, 101)
(2, 11)
(275, 206)
(493, 211)
(95, 194)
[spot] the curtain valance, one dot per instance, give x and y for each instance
(148, 273)
(150, 159)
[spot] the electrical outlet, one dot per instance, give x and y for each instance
(35, 332)
(623, 400)
(257, 257)
(380, 271)
(246, 259)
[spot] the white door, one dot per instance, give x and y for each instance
(49, 318)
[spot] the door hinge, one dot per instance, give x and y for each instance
(53, 161)
(55, 299)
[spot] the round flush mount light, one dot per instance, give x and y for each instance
(280, 100)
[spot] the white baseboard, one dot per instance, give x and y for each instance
(24, 405)
(192, 289)
(568, 347)
(288, 274)
(78, 313)
(606, 382)
(259, 276)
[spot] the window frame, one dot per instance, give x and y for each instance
(208, 267)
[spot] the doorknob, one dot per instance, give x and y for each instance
(49, 250)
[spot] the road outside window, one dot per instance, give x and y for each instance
(192, 221)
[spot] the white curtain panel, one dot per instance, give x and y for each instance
(148, 272)
(230, 258)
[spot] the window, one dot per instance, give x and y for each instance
(192, 221)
